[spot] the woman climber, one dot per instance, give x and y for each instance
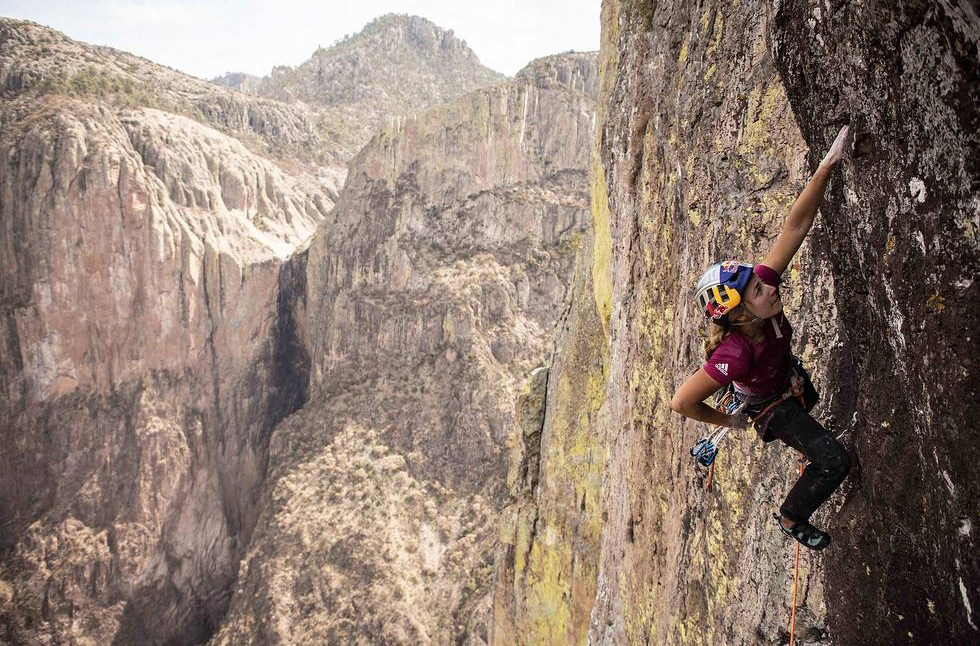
(748, 353)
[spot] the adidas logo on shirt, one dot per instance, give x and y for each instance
(722, 368)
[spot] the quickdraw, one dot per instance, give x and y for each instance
(705, 450)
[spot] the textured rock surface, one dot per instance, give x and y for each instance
(706, 116)
(140, 334)
(901, 242)
(432, 294)
(546, 562)
(141, 339)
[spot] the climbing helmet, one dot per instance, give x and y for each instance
(720, 289)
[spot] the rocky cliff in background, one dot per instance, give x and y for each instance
(152, 288)
(432, 294)
(396, 65)
(141, 263)
(711, 119)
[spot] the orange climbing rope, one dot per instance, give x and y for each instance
(796, 578)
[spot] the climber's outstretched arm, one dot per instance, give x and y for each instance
(689, 401)
(805, 208)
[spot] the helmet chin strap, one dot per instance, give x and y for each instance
(756, 318)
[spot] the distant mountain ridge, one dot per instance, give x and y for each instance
(322, 111)
(397, 64)
(358, 68)
(37, 62)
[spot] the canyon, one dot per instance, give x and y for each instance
(379, 349)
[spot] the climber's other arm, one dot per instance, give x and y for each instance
(689, 401)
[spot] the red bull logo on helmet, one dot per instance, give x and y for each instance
(717, 311)
(730, 266)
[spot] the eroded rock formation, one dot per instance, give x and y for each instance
(141, 259)
(431, 296)
(396, 65)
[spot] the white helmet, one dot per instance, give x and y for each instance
(720, 289)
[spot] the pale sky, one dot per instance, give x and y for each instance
(207, 38)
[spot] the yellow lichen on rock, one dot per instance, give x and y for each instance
(685, 44)
(602, 246)
(762, 105)
(719, 30)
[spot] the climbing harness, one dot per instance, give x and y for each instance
(759, 409)
(796, 385)
(732, 401)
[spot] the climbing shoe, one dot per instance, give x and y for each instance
(805, 533)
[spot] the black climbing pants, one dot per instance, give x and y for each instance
(829, 462)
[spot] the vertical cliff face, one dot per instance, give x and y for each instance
(546, 563)
(432, 294)
(174, 360)
(900, 237)
(699, 157)
(710, 120)
(456, 224)
(140, 362)
(705, 168)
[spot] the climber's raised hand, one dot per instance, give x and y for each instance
(805, 207)
(836, 152)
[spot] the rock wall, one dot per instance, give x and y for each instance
(901, 241)
(711, 117)
(432, 294)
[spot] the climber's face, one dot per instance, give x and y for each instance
(762, 300)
